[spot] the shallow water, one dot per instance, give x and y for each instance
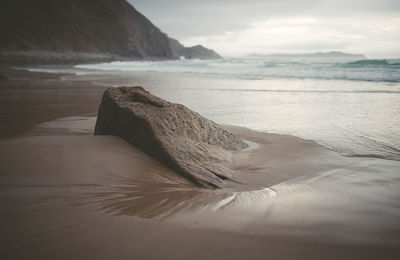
(335, 198)
(355, 118)
(350, 107)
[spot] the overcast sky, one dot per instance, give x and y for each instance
(239, 27)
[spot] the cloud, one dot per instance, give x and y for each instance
(234, 27)
(373, 36)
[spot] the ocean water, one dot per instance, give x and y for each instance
(352, 107)
(259, 68)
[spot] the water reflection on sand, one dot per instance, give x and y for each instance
(323, 193)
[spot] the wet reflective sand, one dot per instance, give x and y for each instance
(70, 195)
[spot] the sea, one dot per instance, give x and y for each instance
(347, 105)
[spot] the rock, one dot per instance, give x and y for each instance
(194, 52)
(183, 140)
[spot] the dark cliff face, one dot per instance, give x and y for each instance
(194, 52)
(111, 27)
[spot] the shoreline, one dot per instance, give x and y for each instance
(74, 192)
(109, 80)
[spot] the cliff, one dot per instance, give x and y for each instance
(76, 29)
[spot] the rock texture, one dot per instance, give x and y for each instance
(183, 140)
(108, 27)
(194, 52)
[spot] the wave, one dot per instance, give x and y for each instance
(258, 69)
(384, 70)
(382, 62)
(369, 62)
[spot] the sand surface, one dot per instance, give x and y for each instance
(66, 194)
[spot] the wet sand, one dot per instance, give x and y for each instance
(70, 195)
(28, 98)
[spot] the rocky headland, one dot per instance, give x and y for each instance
(197, 51)
(71, 31)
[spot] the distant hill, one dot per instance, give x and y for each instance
(77, 30)
(316, 55)
(198, 51)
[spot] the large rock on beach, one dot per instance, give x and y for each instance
(181, 139)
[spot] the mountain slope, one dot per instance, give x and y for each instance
(109, 28)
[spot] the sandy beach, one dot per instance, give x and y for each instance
(67, 194)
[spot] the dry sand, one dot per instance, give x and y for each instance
(66, 194)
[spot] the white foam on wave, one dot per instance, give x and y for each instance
(256, 68)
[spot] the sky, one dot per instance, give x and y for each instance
(241, 27)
